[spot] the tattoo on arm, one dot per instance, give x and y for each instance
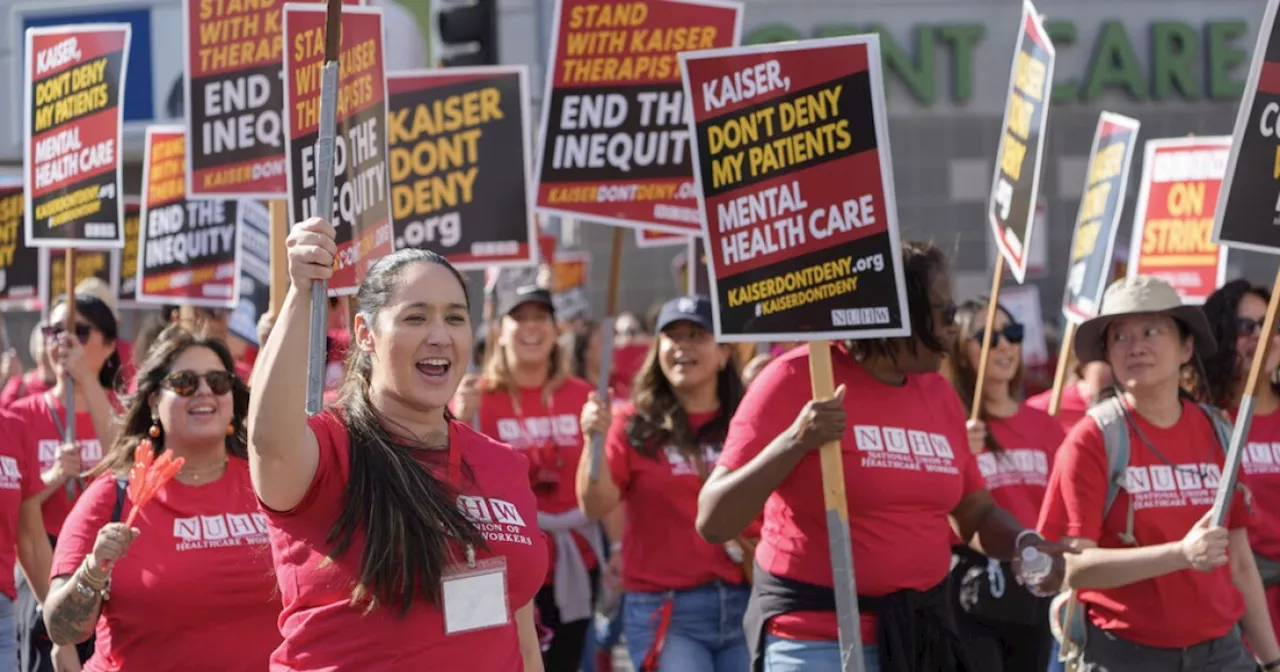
(74, 615)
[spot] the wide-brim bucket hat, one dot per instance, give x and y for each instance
(1142, 295)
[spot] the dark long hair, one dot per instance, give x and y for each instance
(98, 313)
(964, 378)
(404, 511)
(660, 420)
(157, 364)
(1222, 377)
(921, 263)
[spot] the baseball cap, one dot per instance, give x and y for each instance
(526, 294)
(695, 309)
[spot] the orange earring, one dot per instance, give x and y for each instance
(154, 432)
(231, 430)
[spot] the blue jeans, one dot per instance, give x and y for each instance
(1054, 664)
(8, 636)
(794, 655)
(705, 634)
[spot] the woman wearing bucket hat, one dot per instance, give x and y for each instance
(1134, 489)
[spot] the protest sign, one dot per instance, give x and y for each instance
(1023, 303)
(234, 95)
(361, 209)
(74, 76)
(695, 252)
(19, 264)
(1173, 218)
(1011, 211)
(613, 144)
(1248, 213)
(1098, 220)
(460, 164)
(188, 248)
(128, 281)
(796, 188)
(101, 264)
(646, 238)
(255, 271)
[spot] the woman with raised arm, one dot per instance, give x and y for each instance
(910, 478)
(194, 568)
(402, 538)
(683, 610)
(1133, 487)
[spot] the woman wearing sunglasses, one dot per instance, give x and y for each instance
(1005, 627)
(1235, 315)
(910, 475)
(196, 567)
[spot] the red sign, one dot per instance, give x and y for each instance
(361, 202)
(1173, 218)
(187, 249)
(650, 238)
(614, 139)
(74, 79)
(234, 97)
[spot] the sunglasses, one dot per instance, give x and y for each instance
(1247, 326)
(82, 332)
(187, 383)
(1013, 333)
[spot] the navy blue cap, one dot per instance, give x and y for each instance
(695, 309)
(523, 295)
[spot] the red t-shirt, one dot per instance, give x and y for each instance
(17, 388)
(196, 585)
(19, 481)
(35, 413)
(322, 631)
(1260, 464)
(1018, 476)
(1071, 407)
(1167, 501)
(907, 465)
(661, 496)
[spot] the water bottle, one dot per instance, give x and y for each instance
(1036, 567)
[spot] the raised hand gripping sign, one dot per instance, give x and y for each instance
(1012, 208)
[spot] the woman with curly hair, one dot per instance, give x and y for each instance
(1235, 314)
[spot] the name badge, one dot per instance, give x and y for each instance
(474, 595)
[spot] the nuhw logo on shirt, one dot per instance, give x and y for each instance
(561, 430)
(220, 530)
(10, 474)
(90, 452)
(1162, 485)
(905, 449)
(496, 519)
(1261, 458)
(683, 466)
(1019, 466)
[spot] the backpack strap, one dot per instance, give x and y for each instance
(1110, 416)
(122, 485)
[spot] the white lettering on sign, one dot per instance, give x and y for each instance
(1191, 165)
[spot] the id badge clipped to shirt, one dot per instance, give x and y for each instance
(474, 595)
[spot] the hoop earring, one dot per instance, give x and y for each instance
(154, 432)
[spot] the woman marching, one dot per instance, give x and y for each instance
(402, 538)
(1134, 486)
(683, 611)
(527, 400)
(194, 568)
(1235, 313)
(1004, 627)
(910, 478)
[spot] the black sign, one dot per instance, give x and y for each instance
(19, 264)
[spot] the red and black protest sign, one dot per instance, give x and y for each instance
(1012, 208)
(128, 281)
(614, 138)
(74, 78)
(460, 164)
(361, 206)
(101, 264)
(19, 264)
(1248, 214)
(646, 238)
(188, 248)
(791, 145)
(234, 98)
(1098, 221)
(1173, 218)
